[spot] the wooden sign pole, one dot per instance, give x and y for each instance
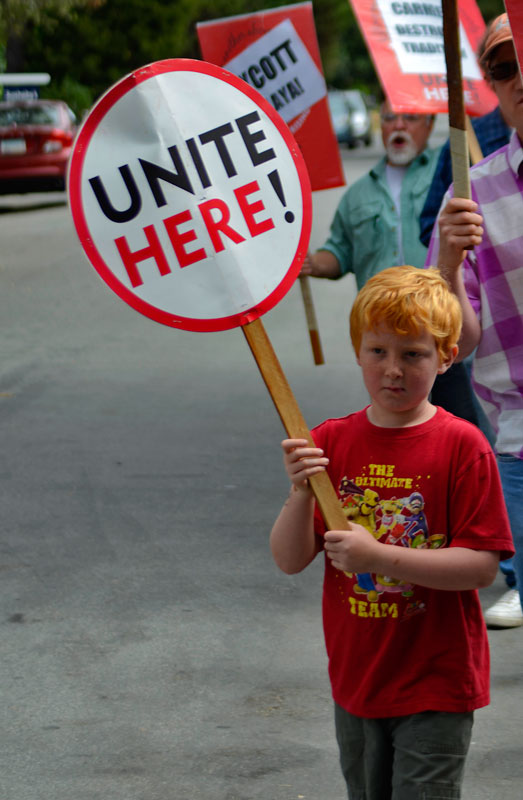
(292, 418)
(474, 149)
(457, 116)
(312, 324)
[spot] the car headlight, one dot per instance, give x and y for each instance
(359, 124)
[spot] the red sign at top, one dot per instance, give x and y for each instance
(405, 41)
(276, 52)
(515, 17)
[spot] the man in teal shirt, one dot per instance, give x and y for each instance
(376, 224)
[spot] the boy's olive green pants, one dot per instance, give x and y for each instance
(417, 757)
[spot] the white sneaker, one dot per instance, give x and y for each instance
(506, 613)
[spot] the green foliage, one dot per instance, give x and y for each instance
(99, 46)
(490, 8)
(15, 14)
(76, 95)
(351, 66)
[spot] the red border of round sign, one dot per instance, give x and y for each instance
(74, 188)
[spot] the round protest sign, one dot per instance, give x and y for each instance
(190, 196)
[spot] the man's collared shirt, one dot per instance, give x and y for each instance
(364, 231)
(493, 275)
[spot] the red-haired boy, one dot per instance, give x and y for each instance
(406, 641)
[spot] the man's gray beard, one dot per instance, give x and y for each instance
(402, 158)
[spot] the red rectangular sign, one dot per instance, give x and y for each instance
(515, 17)
(405, 41)
(276, 51)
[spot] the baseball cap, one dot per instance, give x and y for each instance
(497, 32)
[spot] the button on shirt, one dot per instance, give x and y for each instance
(364, 231)
(493, 274)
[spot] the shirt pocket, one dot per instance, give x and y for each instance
(418, 196)
(369, 227)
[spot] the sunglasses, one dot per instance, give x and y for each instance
(503, 71)
(391, 117)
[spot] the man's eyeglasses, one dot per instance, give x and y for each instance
(389, 116)
(503, 71)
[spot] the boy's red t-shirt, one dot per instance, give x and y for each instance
(397, 649)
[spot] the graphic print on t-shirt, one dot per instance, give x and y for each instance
(398, 520)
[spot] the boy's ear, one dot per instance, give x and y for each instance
(449, 360)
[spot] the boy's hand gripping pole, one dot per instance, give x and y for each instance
(292, 419)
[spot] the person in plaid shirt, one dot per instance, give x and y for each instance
(488, 280)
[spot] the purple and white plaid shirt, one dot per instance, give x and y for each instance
(493, 275)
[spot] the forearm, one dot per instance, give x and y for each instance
(293, 541)
(451, 568)
(471, 329)
(460, 230)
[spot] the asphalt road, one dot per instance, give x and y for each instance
(150, 648)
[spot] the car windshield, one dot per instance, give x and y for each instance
(29, 115)
(337, 103)
(355, 101)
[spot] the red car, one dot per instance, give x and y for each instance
(36, 138)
